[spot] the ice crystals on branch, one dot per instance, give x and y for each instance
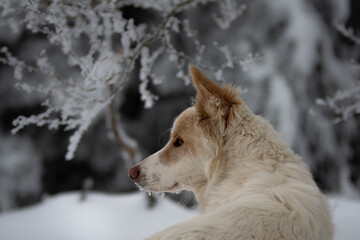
(347, 32)
(344, 103)
(230, 11)
(147, 62)
(75, 97)
(231, 60)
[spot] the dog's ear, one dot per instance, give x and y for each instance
(214, 103)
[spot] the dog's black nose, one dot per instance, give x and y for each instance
(134, 172)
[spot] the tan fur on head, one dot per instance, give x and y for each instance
(214, 104)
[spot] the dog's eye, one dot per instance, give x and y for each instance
(178, 142)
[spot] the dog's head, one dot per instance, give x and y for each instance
(189, 158)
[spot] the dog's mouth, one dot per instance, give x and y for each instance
(151, 188)
(174, 186)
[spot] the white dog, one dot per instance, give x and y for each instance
(248, 182)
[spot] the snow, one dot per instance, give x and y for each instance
(108, 217)
(100, 216)
(346, 214)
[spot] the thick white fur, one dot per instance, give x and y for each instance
(248, 183)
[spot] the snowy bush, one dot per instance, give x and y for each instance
(101, 48)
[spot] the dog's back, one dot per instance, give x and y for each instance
(248, 182)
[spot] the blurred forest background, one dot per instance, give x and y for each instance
(299, 69)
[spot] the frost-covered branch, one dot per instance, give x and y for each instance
(347, 32)
(345, 103)
(111, 45)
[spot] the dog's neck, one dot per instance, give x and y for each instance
(204, 193)
(210, 185)
(235, 167)
(200, 195)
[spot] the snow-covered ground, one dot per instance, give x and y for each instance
(110, 217)
(99, 217)
(346, 217)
